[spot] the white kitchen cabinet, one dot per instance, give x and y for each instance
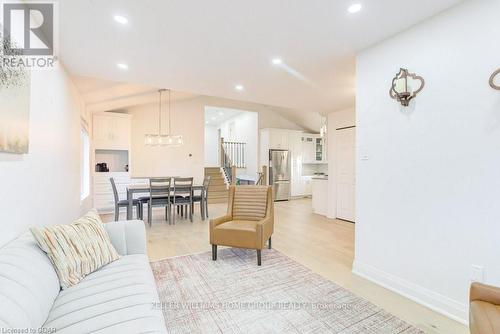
(308, 149)
(320, 150)
(111, 131)
(103, 192)
(314, 149)
(278, 139)
(320, 195)
(306, 184)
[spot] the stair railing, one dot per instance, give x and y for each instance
(228, 168)
(262, 177)
(235, 152)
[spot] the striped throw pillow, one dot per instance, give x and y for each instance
(76, 249)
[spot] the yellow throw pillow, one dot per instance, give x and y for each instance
(76, 249)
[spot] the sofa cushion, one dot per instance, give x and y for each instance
(236, 233)
(28, 284)
(76, 249)
(250, 202)
(118, 298)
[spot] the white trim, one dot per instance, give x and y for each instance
(430, 299)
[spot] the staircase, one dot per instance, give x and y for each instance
(217, 191)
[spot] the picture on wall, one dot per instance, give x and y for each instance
(14, 110)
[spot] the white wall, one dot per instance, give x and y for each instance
(245, 129)
(186, 160)
(428, 195)
(336, 120)
(212, 146)
(43, 186)
(188, 119)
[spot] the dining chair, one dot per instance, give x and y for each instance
(182, 195)
(123, 203)
(145, 199)
(203, 198)
(159, 195)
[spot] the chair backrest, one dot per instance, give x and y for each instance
(183, 186)
(206, 184)
(249, 202)
(115, 192)
(159, 187)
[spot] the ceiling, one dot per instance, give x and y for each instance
(215, 116)
(208, 47)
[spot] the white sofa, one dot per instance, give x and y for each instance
(119, 298)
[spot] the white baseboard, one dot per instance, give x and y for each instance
(430, 299)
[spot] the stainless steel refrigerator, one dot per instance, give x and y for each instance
(280, 171)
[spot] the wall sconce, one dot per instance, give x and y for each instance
(403, 86)
(492, 80)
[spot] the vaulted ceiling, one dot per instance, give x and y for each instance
(209, 47)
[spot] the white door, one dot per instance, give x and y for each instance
(346, 178)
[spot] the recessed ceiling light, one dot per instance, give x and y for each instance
(121, 19)
(221, 113)
(214, 118)
(277, 61)
(122, 66)
(239, 87)
(354, 8)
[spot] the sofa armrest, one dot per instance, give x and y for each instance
(485, 293)
(128, 237)
(220, 220)
(265, 229)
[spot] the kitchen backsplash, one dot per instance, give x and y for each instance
(311, 169)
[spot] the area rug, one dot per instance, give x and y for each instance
(234, 295)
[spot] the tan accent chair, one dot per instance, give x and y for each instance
(484, 311)
(249, 221)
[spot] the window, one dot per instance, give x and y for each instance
(85, 165)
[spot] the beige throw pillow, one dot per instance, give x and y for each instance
(76, 249)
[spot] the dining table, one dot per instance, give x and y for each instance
(145, 189)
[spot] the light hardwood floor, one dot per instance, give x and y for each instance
(324, 245)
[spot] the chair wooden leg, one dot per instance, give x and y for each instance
(259, 257)
(150, 214)
(138, 209)
(191, 212)
(206, 208)
(269, 243)
(202, 210)
(117, 212)
(173, 217)
(214, 252)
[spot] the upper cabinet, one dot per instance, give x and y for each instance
(313, 149)
(111, 131)
(308, 148)
(320, 150)
(278, 139)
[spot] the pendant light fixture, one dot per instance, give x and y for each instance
(159, 139)
(324, 126)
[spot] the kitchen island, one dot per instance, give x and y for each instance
(320, 195)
